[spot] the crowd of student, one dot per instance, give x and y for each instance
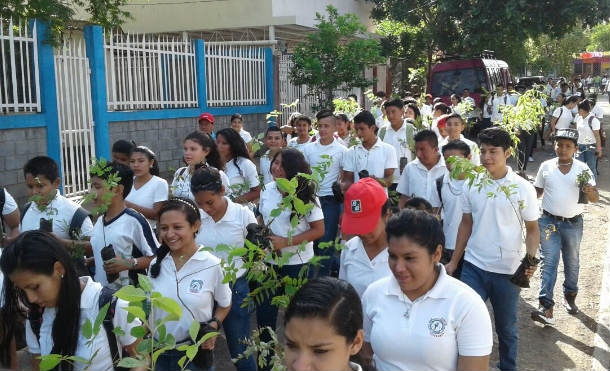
(423, 249)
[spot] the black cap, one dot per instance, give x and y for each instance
(567, 134)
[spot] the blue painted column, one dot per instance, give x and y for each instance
(202, 93)
(269, 77)
(94, 40)
(48, 91)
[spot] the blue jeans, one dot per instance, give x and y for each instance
(504, 297)
(587, 154)
(332, 211)
(565, 240)
(168, 361)
(237, 325)
(266, 313)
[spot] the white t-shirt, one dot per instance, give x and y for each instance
(181, 185)
(265, 168)
(360, 271)
(475, 152)
(417, 181)
(270, 200)
(246, 174)
(448, 321)
(598, 111)
(564, 116)
(89, 303)
(9, 203)
(398, 140)
(496, 102)
(335, 151)
(585, 134)
(561, 190)
(380, 157)
(245, 136)
(127, 232)
(199, 286)
(230, 230)
(153, 191)
(452, 209)
(61, 210)
(495, 244)
(294, 143)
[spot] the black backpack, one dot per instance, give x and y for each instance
(106, 296)
(2, 201)
(75, 223)
(439, 188)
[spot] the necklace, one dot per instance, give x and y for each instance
(565, 164)
(408, 305)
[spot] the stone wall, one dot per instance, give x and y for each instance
(17, 146)
(165, 137)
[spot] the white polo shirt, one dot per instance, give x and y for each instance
(153, 191)
(9, 203)
(564, 117)
(561, 190)
(128, 231)
(496, 243)
(265, 168)
(61, 210)
(199, 286)
(598, 111)
(452, 209)
(270, 200)
(181, 185)
(496, 102)
(381, 156)
(448, 321)
(244, 174)
(294, 143)
(335, 151)
(585, 134)
(89, 309)
(245, 136)
(475, 152)
(230, 230)
(417, 181)
(356, 267)
(398, 140)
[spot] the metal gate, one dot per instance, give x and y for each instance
(75, 115)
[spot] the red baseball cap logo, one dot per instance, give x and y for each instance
(362, 206)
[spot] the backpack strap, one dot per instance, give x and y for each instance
(26, 207)
(107, 296)
(2, 201)
(382, 132)
(590, 120)
(77, 222)
(439, 188)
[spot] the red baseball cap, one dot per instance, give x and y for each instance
(206, 116)
(442, 121)
(362, 206)
(429, 96)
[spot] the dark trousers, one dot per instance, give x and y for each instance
(524, 148)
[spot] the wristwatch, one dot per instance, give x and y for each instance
(218, 323)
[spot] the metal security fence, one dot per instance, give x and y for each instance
(19, 84)
(146, 71)
(235, 75)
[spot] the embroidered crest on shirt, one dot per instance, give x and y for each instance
(356, 206)
(437, 326)
(195, 286)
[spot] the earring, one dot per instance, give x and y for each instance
(62, 276)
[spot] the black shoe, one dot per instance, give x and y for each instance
(544, 315)
(569, 303)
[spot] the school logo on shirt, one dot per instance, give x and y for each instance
(356, 206)
(195, 286)
(437, 326)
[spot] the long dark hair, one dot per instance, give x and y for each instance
(293, 163)
(236, 144)
(37, 252)
(186, 206)
(206, 141)
(206, 179)
(154, 170)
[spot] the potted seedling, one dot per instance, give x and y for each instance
(46, 224)
(582, 180)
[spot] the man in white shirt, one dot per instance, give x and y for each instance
(399, 134)
(419, 177)
(371, 158)
(494, 101)
(426, 108)
(491, 234)
(327, 153)
(589, 139)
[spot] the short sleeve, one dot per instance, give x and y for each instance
(120, 320)
(557, 112)
(529, 210)
(367, 323)
(316, 213)
(474, 333)
(161, 191)
(391, 161)
(466, 205)
(539, 182)
(30, 339)
(595, 125)
(348, 160)
(9, 203)
(86, 229)
(222, 291)
(144, 237)
(225, 182)
(342, 275)
(403, 183)
(247, 218)
(250, 173)
(588, 170)
(246, 136)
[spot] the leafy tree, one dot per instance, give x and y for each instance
(547, 55)
(600, 38)
(334, 56)
(58, 14)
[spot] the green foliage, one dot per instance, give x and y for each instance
(255, 346)
(583, 178)
(102, 170)
(334, 56)
(600, 38)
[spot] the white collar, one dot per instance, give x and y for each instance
(377, 144)
(355, 367)
(440, 163)
(230, 214)
(89, 293)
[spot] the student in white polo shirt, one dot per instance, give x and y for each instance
(365, 257)
(10, 216)
(399, 134)
(189, 275)
(455, 126)
(40, 275)
(237, 124)
(589, 139)
(327, 150)
(242, 174)
(224, 222)
(148, 190)
(370, 158)
(491, 234)
(303, 137)
(419, 317)
(494, 101)
(562, 116)
(274, 140)
(418, 179)
(561, 224)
